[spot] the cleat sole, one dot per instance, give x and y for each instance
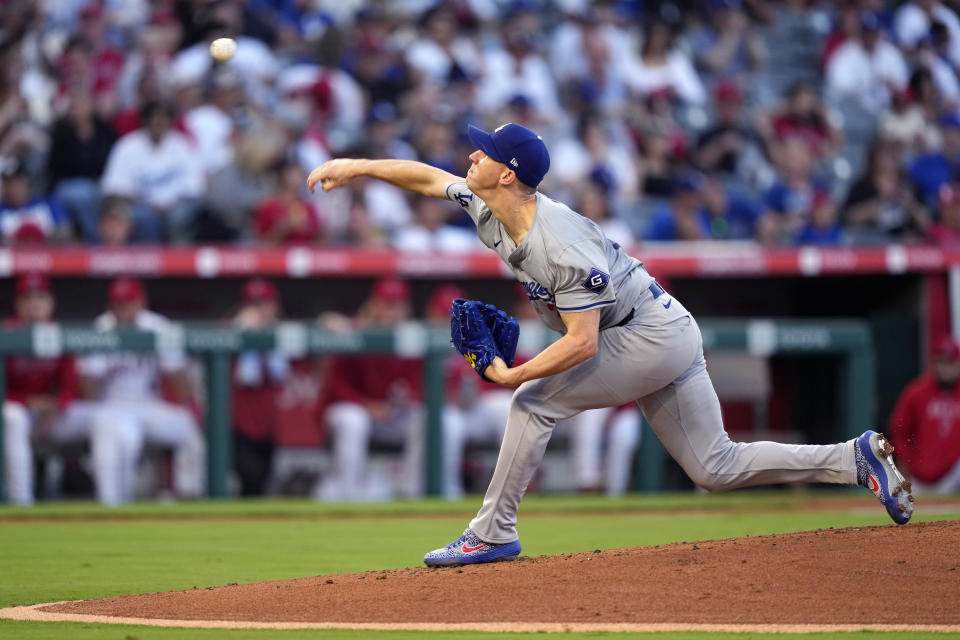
(467, 564)
(899, 501)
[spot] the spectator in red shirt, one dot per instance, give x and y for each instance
(374, 398)
(39, 391)
(946, 231)
(101, 69)
(286, 217)
(925, 424)
(257, 377)
(803, 115)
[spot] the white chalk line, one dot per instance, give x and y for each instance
(35, 614)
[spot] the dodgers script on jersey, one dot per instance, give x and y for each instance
(565, 263)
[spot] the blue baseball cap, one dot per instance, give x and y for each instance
(517, 147)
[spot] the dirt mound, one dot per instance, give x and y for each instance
(870, 575)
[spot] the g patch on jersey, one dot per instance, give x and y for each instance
(597, 281)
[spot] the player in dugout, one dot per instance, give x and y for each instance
(40, 405)
(257, 380)
(133, 410)
(925, 424)
(374, 399)
(623, 339)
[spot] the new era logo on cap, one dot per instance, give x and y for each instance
(516, 146)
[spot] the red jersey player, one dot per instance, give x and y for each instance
(38, 392)
(375, 397)
(925, 424)
(257, 378)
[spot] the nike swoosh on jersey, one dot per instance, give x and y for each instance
(669, 302)
(497, 243)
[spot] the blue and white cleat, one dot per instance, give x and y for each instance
(876, 471)
(469, 549)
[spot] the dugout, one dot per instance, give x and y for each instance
(898, 296)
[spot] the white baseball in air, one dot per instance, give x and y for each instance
(222, 49)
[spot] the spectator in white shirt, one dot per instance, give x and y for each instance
(934, 53)
(442, 51)
(907, 124)
(326, 107)
(253, 58)
(571, 48)
(211, 125)
(431, 230)
(518, 68)
(586, 60)
(157, 169)
(728, 46)
(598, 146)
(866, 69)
(662, 66)
(913, 21)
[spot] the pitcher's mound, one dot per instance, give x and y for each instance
(870, 576)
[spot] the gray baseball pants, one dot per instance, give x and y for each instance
(656, 360)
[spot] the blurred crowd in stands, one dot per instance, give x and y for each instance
(782, 122)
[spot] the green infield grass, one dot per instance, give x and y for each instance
(80, 550)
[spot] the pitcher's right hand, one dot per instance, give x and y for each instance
(332, 174)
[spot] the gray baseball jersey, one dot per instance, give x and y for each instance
(565, 263)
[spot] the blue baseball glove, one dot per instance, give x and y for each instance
(479, 330)
(505, 331)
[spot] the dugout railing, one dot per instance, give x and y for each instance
(215, 345)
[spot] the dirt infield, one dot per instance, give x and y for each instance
(845, 578)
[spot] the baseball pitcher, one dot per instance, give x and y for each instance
(624, 339)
